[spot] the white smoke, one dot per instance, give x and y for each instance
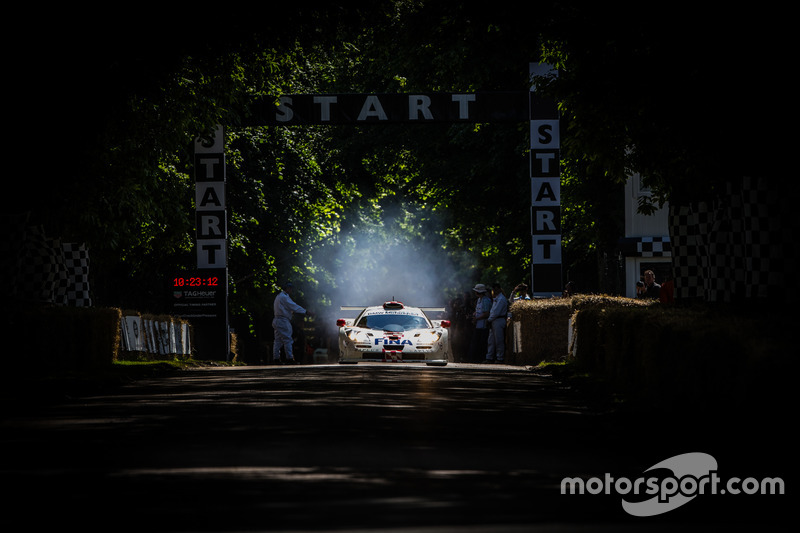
(373, 266)
(376, 271)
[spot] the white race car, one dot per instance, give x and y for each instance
(394, 332)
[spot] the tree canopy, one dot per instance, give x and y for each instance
(107, 115)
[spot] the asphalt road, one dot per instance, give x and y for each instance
(396, 448)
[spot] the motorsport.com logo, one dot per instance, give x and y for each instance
(693, 474)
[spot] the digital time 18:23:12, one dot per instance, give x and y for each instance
(212, 281)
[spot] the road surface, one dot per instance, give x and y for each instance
(373, 447)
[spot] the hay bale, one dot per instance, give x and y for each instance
(547, 327)
(684, 358)
(55, 340)
(543, 329)
(604, 301)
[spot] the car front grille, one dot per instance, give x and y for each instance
(393, 347)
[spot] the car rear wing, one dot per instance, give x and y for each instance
(362, 307)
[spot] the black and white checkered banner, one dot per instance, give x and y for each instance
(732, 248)
(545, 157)
(38, 268)
(646, 246)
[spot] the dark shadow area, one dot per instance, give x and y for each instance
(370, 446)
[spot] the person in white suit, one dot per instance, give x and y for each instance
(284, 307)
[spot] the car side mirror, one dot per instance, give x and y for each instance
(445, 323)
(341, 322)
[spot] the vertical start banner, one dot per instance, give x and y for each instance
(545, 187)
(201, 295)
(211, 229)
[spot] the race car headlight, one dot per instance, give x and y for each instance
(428, 337)
(357, 335)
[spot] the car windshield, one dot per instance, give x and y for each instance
(393, 322)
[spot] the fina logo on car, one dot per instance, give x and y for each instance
(385, 342)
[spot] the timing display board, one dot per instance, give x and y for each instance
(200, 293)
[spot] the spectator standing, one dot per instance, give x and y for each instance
(667, 292)
(651, 288)
(459, 328)
(498, 314)
(569, 289)
(483, 304)
(520, 292)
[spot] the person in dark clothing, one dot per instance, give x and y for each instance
(480, 333)
(651, 288)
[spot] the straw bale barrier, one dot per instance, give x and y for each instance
(542, 330)
(670, 356)
(57, 339)
(62, 339)
(663, 355)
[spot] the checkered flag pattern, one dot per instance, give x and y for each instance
(76, 259)
(653, 247)
(44, 270)
(730, 249)
(687, 261)
(39, 267)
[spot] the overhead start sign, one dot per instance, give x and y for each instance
(306, 109)
(419, 108)
(333, 109)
